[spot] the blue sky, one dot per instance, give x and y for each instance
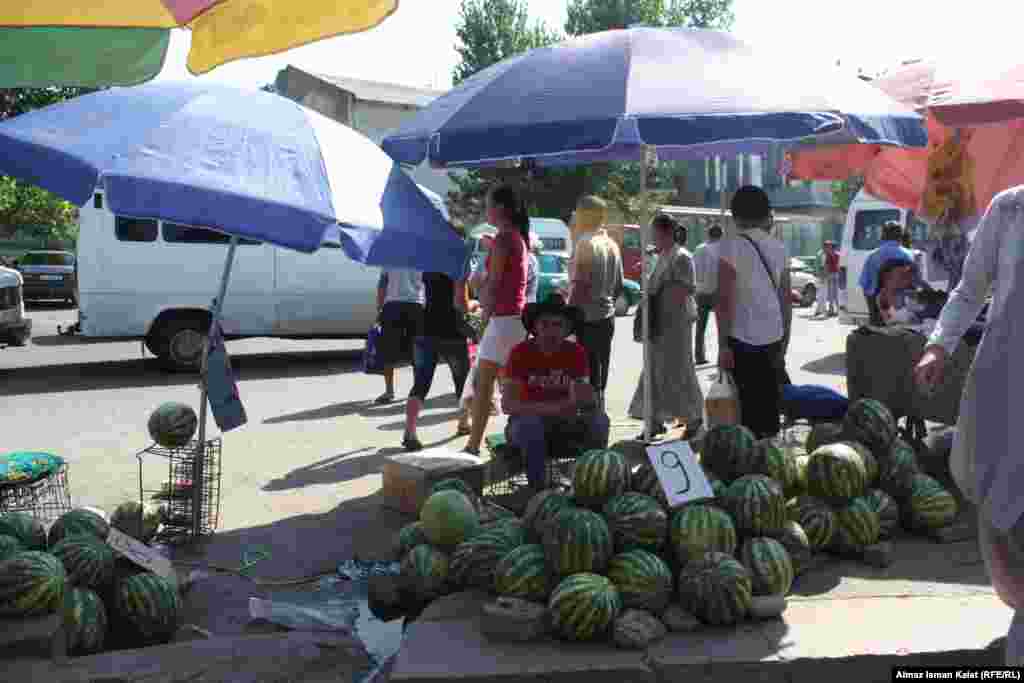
(416, 46)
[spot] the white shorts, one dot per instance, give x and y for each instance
(500, 336)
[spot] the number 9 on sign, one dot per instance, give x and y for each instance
(680, 475)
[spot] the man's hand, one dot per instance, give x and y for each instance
(726, 360)
(929, 370)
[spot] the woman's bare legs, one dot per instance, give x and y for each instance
(487, 373)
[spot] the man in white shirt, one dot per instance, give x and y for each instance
(705, 263)
(400, 299)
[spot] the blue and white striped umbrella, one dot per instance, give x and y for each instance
(247, 163)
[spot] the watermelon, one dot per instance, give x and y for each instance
(449, 518)
(511, 529)
(32, 583)
(888, 511)
(473, 561)
(138, 521)
(898, 470)
(409, 536)
(871, 423)
(599, 476)
(147, 608)
(637, 629)
(523, 573)
(636, 521)
(929, 506)
(801, 476)
(454, 484)
(794, 539)
(85, 621)
(727, 451)
(584, 607)
(816, 518)
(541, 509)
(24, 527)
(78, 521)
(822, 434)
(871, 468)
(757, 505)
(716, 588)
(770, 567)
(643, 479)
(172, 425)
(643, 580)
(699, 529)
(424, 572)
(578, 541)
(771, 460)
(857, 526)
(9, 545)
(836, 474)
(89, 562)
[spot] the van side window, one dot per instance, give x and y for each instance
(867, 227)
(187, 234)
(135, 229)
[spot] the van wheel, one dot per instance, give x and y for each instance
(179, 343)
(622, 305)
(809, 295)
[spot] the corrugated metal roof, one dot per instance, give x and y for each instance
(373, 91)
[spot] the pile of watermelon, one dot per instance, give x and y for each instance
(613, 550)
(70, 569)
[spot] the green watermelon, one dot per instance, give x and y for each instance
(636, 521)
(541, 509)
(449, 518)
(716, 588)
(172, 425)
(871, 468)
(89, 562)
(698, 529)
(770, 567)
(727, 451)
(147, 608)
(898, 470)
(455, 484)
(794, 539)
(409, 536)
(523, 573)
(929, 505)
(888, 511)
(822, 434)
(871, 423)
(578, 541)
(816, 518)
(836, 474)
(32, 583)
(9, 545)
(473, 561)
(800, 488)
(424, 572)
(771, 460)
(78, 521)
(643, 479)
(24, 527)
(857, 526)
(643, 580)
(138, 521)
(757, 505)
(511, 529)
(85, 621)
(598, 477)
(584, 606)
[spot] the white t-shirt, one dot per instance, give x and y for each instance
(705, 265)
(404, 285)
(757, 319)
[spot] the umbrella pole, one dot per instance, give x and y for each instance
(197, 467)
(645, 152)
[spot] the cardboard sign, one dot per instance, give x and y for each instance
(681, 476)
(141, 554)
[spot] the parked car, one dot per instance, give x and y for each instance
(554, 274)
(15, 328)
(50, 275)
(803, 281)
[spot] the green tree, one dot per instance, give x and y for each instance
(843, 192)
(591, 16)
(492, 30)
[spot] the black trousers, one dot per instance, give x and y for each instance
(705, 304)
(596, 338)
(758, 379)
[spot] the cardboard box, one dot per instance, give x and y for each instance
(408, 478)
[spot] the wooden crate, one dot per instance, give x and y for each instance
(408, 478)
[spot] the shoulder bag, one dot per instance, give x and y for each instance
(781, 361)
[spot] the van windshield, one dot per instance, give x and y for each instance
(47, 259)
(867, 227)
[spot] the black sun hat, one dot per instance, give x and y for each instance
(553, 305)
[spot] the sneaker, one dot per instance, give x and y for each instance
(411, 444)
(384, 399)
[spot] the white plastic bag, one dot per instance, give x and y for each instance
(722, 402)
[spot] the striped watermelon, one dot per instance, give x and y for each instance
(822, 434)
(456, 484)
(888, 511)
(409, 536)
(85, 621)
(636, 521)
(9, 546)
(541, 509)
(172, 425)
(78, 521)
(757, 505)
(871, 468)
(599, 476)
(857, 526)
(770, 567)
(26, 528)
(147, 608)
(523, 573)
(138, 521)
(898, 470)
(836, 474)
(794, 539)
(424, 572)
(643, 580)
(449, 518)
(31, 583)
(584, 606)
(473, 561)
(716, 588)
(643, 478)
(727, 451)
(578, 541)
(771, 460)
(929, 505)
(89, 562)
(800, 488)
(699, 529)
(511, 529)
(871, 423)
(816, 518)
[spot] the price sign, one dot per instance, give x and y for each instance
(141, 554)
(681, 476)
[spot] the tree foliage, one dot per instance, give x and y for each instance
(492, 30)
(591, 16)
(843, 192)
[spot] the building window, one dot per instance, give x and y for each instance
(135, 229)
(187, 234)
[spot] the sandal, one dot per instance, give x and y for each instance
(463, 430)
(411, 444)
(471, 451)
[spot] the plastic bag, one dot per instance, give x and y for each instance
(329, 616)
(373, 361)
(722, 402)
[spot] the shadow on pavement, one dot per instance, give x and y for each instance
(337, 468)
(364, 408)
(834, 364)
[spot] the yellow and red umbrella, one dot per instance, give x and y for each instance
(124, 42)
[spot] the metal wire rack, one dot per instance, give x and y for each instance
(506, 471)
(46, 498)
(176, 494)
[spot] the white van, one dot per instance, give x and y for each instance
(154, 280)
(15, 328)
(553, 234)
(862, 234)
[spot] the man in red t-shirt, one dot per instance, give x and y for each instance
(547, 393)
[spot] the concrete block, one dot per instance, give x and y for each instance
(954, 533)
(679, 620)
(767, 606)
(385, 597)
(637, 630)
(462, 605)
(512, 619)
(879, 555)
